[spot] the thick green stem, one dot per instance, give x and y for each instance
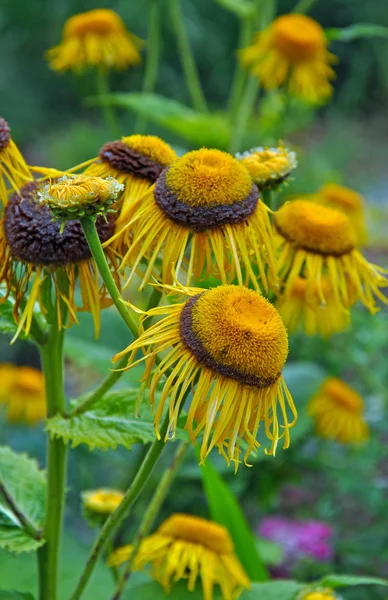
(52, 363)
(123, 509)
(151, 513)
(93, 240)
(266, 196)
(107, 108)
(243, 115)
(188, 63)
(240, 74)
(153, 52)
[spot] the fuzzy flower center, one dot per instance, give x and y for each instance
(342, 197)
(103, 500)
(80, 190)
(5, 134)
(343, 395)
(236, 332)
(298, 37)
(325, 595)
(315, 228)
(205, 178)
(268, 164)
(99, 21)
(198, 531)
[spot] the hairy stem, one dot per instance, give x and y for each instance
(243, 115)
(107, 108)
(240, 74)
(188, 63)
(151, 513)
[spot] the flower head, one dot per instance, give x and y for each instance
(268, 167)
(97, 38)
(338, 411)
(186, 547)
(23, 393)
(317, 240)
(347, 201)
(292, 51)
(13, 168)
(302, 307)
(230, 344)
(76, 196)
(207, 204)
(318, 593)
(33, 250)
(102, 501)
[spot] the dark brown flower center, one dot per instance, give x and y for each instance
(127, 160)
(5, 134)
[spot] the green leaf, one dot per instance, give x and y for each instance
(200, 129)
(357, 31)
(337, 581)
(271, 553)
(11, 595)
(111, 422)
(225, 509)
(7, 322)
(272, 590)
(154, 591)
(26, 485)
(241, 8)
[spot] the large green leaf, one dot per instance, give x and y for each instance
(12, 595)
(198, 128)
(225, 509)
(26, 486)
(241, 8)
(336, 581)
(111, 422)
(272, 590)
(356, 31)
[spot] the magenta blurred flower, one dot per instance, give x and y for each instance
(298, 539)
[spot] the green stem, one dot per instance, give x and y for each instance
(93, 240)
(123, 509)
(52, 363)
(303, 6)
(240, 74)
(266, 196)
(189, 67)
(107, 108)
(153, 52)
(24, 523)
(243, 115)
(151, 513)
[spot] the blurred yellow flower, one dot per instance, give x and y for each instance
(23, 393)
(318, 594)
(188, 547)
(268, 167)
(230, 344)
(347, 201)
(338, 412)
(292, 51)
(97, 38)
(13, 168)
(302, 307)
(203, 216)
(102, 501)
(320, 241)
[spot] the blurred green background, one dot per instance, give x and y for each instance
(347, 141)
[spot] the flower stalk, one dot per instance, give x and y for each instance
(106, 107)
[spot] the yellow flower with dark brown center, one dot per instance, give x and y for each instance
(318, 594)
(13, 168)
(320, 241)
(230, 344)
(292, 51)
(204, 205)
(188, 547)
(268, 167)
(338, 412)
(347, 201)
(302, 307)
(23, 393)
(97, 38)
(102, 501)
(34, 251)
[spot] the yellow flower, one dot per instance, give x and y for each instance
(136, 161)
(188, 547)
(318, 594)
(338, 412)
(268, 167)
(292, 51)
(23, 392)
(347, 201)
(230, 345)
(317, 241)
(302, 307)
(206, 205)
(33, 251)
(102, 501)
(97, 38)
(13, 168)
